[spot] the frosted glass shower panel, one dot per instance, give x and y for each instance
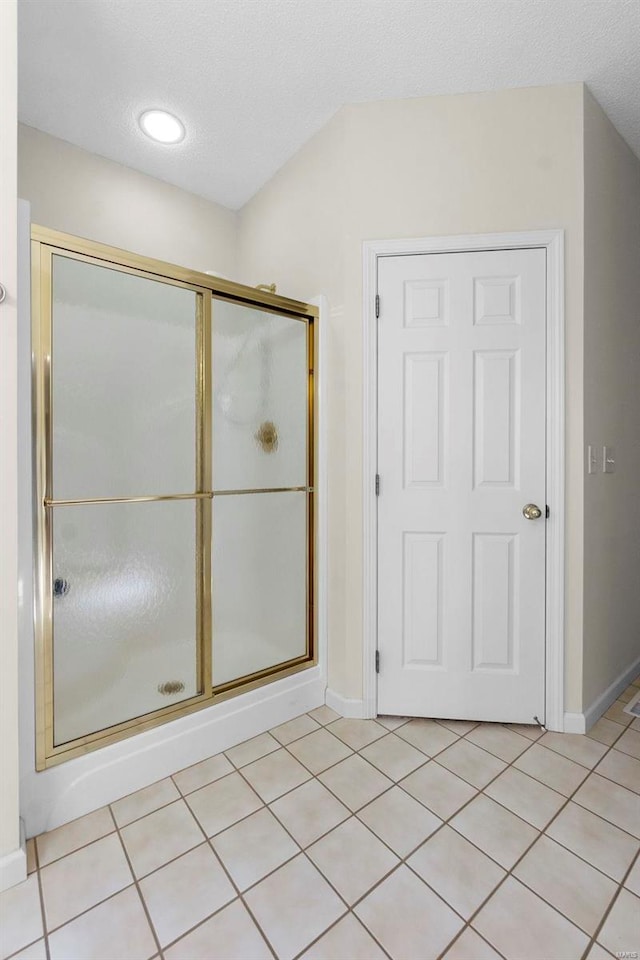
(124, 612)
(259, 582)
(260, 398)
(123, 383)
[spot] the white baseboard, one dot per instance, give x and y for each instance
(13, 866)
(574, 723)
(582, 722)
(602, 703)
(77, 787)
(343, 705)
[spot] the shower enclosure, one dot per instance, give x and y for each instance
(174, 435)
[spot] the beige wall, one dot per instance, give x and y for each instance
(505, 161)
(81, 193)
(493, 162)
(612, 402)
(9, 811)
(291, 232)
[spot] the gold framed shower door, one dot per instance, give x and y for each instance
(46, 243)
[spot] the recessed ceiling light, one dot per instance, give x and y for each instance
(162, 126)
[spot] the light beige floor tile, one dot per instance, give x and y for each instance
(407, 918)
(427, 735)
(160, 836)
(81, 879)
(220, 804)
(550, 768)
(605, 731)
(635, 724)
(621, 930)
(309, 811)
(438, 789)
(230, 935)
(528, 730)
(355, 782)
(71, 836)
(116, 928)
(252, 750)
(185, 892)
(319, 750)
(348, 938)
(461, 727)
(621, 768)
(470, 946)
(144, 801)
(596, 841)
(627, 694)
(352, 859)
(393, 756)
(598, 953)
(200, 774)
(528, 798)
(357, 733)
(519, 924)
(294, 729)
(580, 892)
(502, 743)
(462, 875)
(323, 715)
(474, 765)
(633, 880)
(392, 723)
(293, 906)
(20, 915)
(616, 712)
(575, 747)
(36, 951)
(612, 802)
(399, 820)
(32, 865)
(275, 774)
(629, 743)
(501, 834)
(254, 847)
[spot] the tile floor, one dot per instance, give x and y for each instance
(335, 839)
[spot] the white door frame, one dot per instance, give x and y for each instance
(552, 241)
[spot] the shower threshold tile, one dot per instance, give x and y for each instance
(71, 836)
(144, 801)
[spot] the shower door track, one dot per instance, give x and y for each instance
(46, 243)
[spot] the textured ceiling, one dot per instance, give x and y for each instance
(253, 79)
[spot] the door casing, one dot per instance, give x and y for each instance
(552, 241)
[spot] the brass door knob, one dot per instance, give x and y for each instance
(531, 511)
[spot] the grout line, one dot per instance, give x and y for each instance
(42, 909)
(355, 813)
(239, 892)
(137, 886)
(83, 846)
(615, 897)
(303, 852)
(529, 847)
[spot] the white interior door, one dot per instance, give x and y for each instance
(461, 451)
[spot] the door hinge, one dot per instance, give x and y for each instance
(547, 511)
(377, 661)
(377, 305)
(377, 484)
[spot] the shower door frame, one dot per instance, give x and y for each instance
(45, 243)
